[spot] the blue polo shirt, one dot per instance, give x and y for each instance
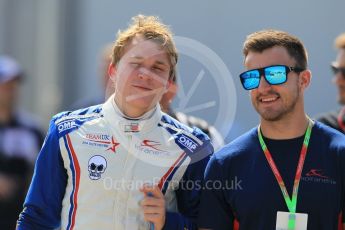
(250, 193)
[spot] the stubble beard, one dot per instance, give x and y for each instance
(276, 114)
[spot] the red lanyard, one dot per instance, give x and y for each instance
(341, 119)
(290, 202)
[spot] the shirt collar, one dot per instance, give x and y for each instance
(129, 125)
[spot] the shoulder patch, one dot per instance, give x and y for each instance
(69, 121)
(185, 137)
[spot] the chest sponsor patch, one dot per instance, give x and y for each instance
(151, 147)
(101, 140)
(317, 176)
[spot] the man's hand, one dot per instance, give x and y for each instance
(153, 206)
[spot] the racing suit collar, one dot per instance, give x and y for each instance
(117, 119)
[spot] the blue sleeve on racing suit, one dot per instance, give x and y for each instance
(43, 203)
(189, 192)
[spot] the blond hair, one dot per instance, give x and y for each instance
(340, 41)
(151, 28)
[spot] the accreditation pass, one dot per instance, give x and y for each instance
(301, 220)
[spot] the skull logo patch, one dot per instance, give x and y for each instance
(97, 166)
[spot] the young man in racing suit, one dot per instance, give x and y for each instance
(123, 164)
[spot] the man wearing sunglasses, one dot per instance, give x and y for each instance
(336, 119)
(289, 171)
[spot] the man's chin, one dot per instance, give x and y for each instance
(270, 115)
(143, 104)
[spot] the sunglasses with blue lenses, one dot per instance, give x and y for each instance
(274, 75)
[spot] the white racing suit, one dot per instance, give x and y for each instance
(93, 162)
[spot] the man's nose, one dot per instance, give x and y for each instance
(144, 73)
(263, 84)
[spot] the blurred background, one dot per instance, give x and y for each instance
(59, 43)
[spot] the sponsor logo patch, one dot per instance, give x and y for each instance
(133, 127)
(317, 176)
(101, 140)
(151, 147)
(66, 125)
(187, 142)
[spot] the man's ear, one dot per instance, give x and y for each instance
(305, 78)
(167, 85)
(171, 88)
(112, 71)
